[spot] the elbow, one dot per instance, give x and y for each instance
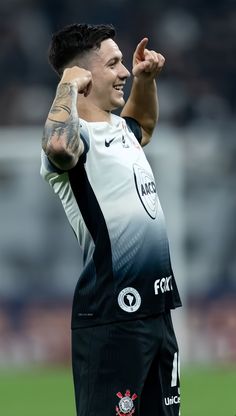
(59, 154)
(145, 141)
(148, 127)
(62, 144)
(146, 136)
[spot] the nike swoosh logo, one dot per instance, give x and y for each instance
(108, 142)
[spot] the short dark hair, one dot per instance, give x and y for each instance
(75, 39)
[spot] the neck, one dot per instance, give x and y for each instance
(90, 112)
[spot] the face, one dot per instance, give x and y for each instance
(109, 76)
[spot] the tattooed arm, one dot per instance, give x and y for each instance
(61, 141)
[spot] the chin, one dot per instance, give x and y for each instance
(117, 104)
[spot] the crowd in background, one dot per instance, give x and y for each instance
(197, 99)
(197, 38)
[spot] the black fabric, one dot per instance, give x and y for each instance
(95, 285)
(134, 359)
(134, 126)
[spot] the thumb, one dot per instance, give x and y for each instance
(139, 68)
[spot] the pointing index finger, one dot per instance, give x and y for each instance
(141, 47)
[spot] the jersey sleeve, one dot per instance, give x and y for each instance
(84, 135)
(135, 127)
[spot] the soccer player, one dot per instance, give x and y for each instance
(124, 351)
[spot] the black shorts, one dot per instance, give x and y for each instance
(127, 368)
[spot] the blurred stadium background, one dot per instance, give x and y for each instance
(192, 155)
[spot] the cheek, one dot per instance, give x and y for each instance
(99, 82)
(102, 86)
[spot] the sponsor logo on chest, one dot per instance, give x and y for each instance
(122, 140)
(146, 189)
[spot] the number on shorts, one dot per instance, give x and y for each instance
(175, 370)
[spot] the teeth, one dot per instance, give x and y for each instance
(118, 87)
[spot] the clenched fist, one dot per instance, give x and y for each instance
(79, 77)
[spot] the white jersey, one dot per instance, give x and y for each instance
(111, 201)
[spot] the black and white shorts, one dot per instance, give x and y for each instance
(127, 368)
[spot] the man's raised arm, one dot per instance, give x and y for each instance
(142, 104)
(61, 141)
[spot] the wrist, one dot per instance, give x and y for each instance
(65, 87)
(145, 79)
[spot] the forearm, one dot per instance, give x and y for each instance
(61, 141)
(142, 104)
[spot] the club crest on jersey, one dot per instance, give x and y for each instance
(129, 300)
(126, 404)
(146, 188)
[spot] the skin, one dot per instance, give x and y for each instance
(94, 91)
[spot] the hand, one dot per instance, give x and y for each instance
(79, 77)
(146, 63)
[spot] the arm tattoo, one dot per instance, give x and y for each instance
(57, 108)
(64, 102)
(68, 133)
(62, 125)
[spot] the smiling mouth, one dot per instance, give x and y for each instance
(119, 87)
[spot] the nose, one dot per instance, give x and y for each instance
(124, 73)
